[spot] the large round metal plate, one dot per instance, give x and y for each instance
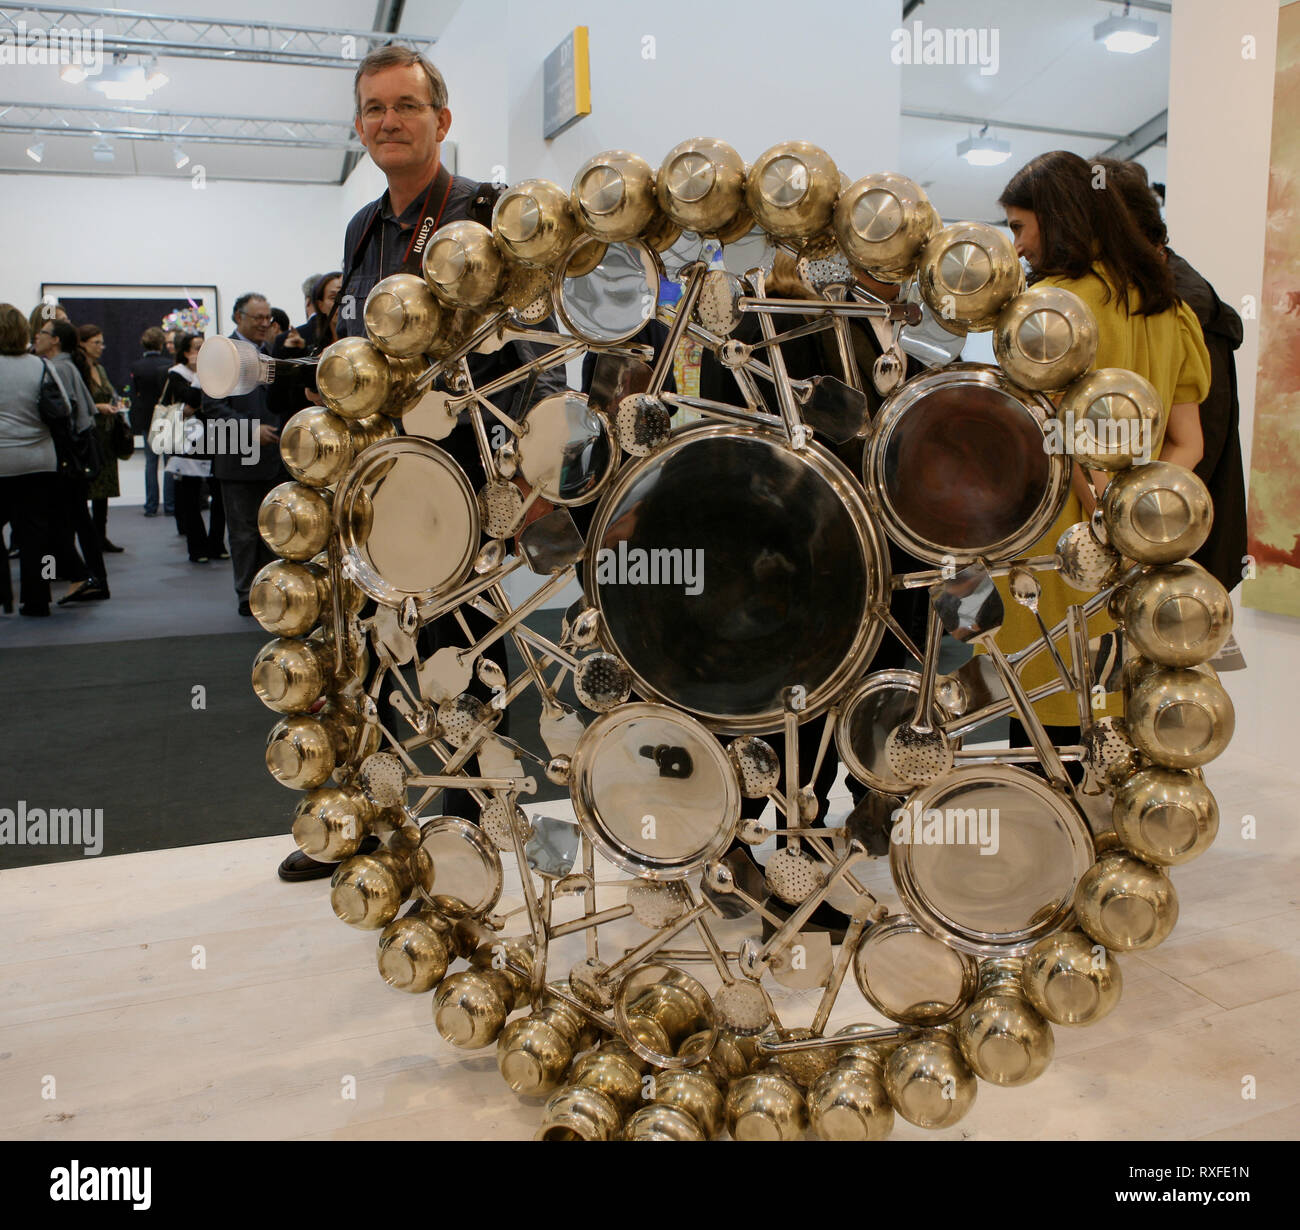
(613, 302)
(728, 566)
(654, 791)
(408, 521)
(992, 866)
(457, 869)
(958, 470)
(566, 450)
(912, 977)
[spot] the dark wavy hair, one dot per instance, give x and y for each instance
(1082, 223)
(183, 342)
(1130, 180)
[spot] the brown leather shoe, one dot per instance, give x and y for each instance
(299, 866)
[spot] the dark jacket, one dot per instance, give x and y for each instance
(463, 201)
(286, 397)
(255, 409)
(1220, 467)
(147, 375)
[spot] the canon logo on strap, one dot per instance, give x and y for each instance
(418, 246)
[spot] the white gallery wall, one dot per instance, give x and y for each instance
(751, 76)
(1217, 193)
(237, 236)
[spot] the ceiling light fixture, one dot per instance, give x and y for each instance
(984, 151)
(102, 150)
(124, 82)
(1126, 35)
(36, 152)
(73, 74)
(180, 156)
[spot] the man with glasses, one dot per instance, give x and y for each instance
(402, 118)
(244, 487)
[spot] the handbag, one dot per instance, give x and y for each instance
(167, 430)
(167, 427)
(122, 438)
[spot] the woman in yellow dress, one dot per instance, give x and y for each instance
(1074, 232)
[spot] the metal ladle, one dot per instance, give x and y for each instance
(920, 752)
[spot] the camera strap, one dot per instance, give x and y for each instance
(413, 257)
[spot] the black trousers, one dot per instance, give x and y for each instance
(29, 503)
(248, 553)
(73, 520)
(203, 542)
(1061, 736)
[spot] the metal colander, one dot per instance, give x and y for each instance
(918, 756)
(716, 307)
(602, 682)
(494, 820)
(656, 905)
(742, 1007)
(1108, 751)
(794, 875)
(500, 506)
(459, 716)
(643, 422)
(1086, 564)
(757, 766)
(383, 779)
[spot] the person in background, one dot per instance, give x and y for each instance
(308, 286)
(56, 343)
(1220, 467)
(172, 338)
(286, 397)
(47, 309)
(147, 375)
(1079, 236)
(105, 484)
(244, 487)
(279, 324)
(29, 481)
(193, 468)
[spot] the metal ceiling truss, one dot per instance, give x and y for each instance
(143, 124)
(204, 38)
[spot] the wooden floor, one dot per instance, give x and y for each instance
(104, 1008)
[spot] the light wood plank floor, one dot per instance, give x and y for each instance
(104, 1009)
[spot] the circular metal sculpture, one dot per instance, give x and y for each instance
(736, 584)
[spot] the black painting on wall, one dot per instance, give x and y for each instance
(124, 312)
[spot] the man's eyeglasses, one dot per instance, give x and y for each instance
(263, 319)
(407, 109)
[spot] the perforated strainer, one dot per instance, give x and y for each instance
(602, 682)
(920, 752)
(794, 875)
(459, 717)
(643, 422)
(500, 506)
(656, 905)
(494, 820)
(383, 779)
(757, 766)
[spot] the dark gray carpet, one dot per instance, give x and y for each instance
(112, 727)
